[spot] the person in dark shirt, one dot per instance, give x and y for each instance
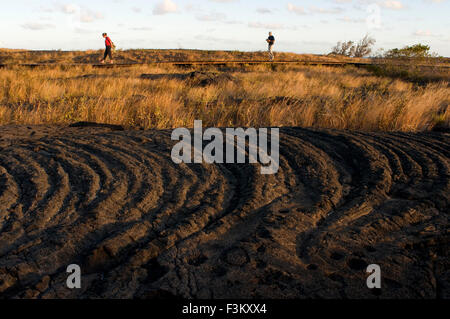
(271, 41)
(108, 50)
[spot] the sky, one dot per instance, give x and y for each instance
(299, 26)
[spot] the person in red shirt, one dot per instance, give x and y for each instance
(108, 51)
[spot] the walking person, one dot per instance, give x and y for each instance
(108, 50)
(271, 41)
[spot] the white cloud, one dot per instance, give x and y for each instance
(212, 17)
(37, 26)
(164, 7)
(263, 10)
(90, 16)
(260, 25)
(270, 26)
(296, 9)
(423, 33)
(142, 29)
(69, 8)
(351, 20)
(322, 10)
(391, 4)
(79, 13)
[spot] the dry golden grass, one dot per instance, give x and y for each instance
(147, 56)
(322, 97)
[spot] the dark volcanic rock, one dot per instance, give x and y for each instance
(139, 226)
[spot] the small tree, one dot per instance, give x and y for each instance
(417, 51)
(414, 63)
(350, 49)
(343, 48)
(364, 47)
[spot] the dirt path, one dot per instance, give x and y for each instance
(140, 226)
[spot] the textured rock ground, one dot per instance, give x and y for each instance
(142, 227)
